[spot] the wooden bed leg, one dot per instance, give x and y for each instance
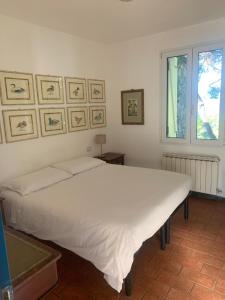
(168, 231)
(128, 284)
(186, 209)
(163, 237)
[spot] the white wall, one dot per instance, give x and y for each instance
(28, 48)
(137, 64)
(132, 64)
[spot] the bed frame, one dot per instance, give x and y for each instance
(164, 239)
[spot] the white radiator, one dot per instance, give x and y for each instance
(203, 169)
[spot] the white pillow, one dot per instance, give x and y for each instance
(80, 164)
(35, 181)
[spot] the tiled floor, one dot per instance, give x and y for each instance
(191, 268)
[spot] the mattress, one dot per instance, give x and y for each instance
(103, 214)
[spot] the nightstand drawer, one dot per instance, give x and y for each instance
(118, 161)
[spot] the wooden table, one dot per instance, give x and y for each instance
(2, 210)
(32, 265)
(112, 158)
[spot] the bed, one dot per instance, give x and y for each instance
(103, 213)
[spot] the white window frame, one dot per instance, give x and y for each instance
(192, 96)
(165, 56)
(194, 111)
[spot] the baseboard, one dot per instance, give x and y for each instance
(207, 196)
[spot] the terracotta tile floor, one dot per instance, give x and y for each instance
(191, 268)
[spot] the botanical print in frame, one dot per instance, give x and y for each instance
(96, 91)
(17, 88)
(20, 125)
(50, 89)
(52, 121)
(76, 90)
(132, 104)
(77, 118)
(97, 116)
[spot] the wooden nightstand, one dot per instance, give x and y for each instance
(112, 158)
(2, 210)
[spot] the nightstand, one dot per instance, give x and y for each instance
(2, 210)
(112, 158)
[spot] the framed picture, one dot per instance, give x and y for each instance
(49, 89)
(20, 125)
(96, 91)
(132, 104)
(97, 116)
(77, 118)
(52, 121)
(76, 90)
(17, 88)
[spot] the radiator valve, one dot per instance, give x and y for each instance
(219, 191)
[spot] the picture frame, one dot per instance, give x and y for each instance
(20, 125)
(76, 90)
(49, 89)
(53, 121)
(77, 118)
(17, 88)
(97, 115)
(132, 107)
(96, 90)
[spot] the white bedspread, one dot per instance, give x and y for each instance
(104, 214)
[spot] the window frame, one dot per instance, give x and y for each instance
(192, 96)
(165, 56)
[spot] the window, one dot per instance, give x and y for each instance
(193, 95)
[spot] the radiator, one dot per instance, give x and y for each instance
(203, 170)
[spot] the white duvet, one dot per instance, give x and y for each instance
(104, 214)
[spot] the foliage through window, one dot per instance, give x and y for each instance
(176, 96)
(193, 95)
(209, 92)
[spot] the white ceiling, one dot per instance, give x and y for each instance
(112, 20)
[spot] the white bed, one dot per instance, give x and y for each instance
(103, 214)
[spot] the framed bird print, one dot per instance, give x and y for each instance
(53, 121)
(97, 116)
(76, 90)
(77, 118)
(96, 91)
(50, 89)
(17, 88)
(20, 125)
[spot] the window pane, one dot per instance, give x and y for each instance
(209, 91)
(176, 96)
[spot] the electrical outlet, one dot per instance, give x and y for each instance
(89, 148)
